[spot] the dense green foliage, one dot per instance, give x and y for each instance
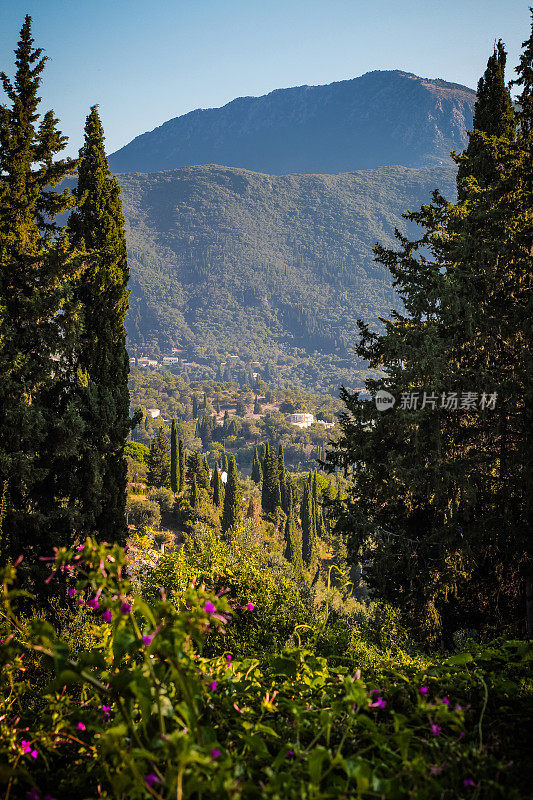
(440, 511)
(153, 697)
(101, 358)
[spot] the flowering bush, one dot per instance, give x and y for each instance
(143, 712)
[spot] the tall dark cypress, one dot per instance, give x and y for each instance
(102, 360)
(257, 472)
(217, 487)
(233, 505)
(307, 517)
(159, 461)
(174, 458)
(181, 461)
(40, 428)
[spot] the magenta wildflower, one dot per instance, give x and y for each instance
(215, 753)
(80, 547)
(33, 794)
(228, 657)
(250, 606)
(71, 592)
(209, 608)
(459, 708)
(380, 703)
(462, 735)
(468, 782)
(105, 712)
(357, 675)
(125, 608)
(423, 690)
(107, 616)
(147, 640)
(290, 755)
(93, 603)
(445, 701)
(151, 780)
(80, 726)
(213, 686)
(26, 746)
(34, 754)
(435, 730)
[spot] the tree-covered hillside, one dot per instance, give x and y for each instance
(275, 269)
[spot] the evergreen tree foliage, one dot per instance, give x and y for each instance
(225, 466)
(440, 500)
(174, 458)
(217, 488)
(270, 493)
(284, 500)
(194, 496)
(181, 462)
(159, 461)
(194, 406)
(40, 425)
(257, 472)
(307, 517)
(233, 504)
(257, 405)
(102, 361)
(293, 543)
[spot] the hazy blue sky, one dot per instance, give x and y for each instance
(146, 61)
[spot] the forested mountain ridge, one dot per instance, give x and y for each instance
(277, 269)
(378, 119)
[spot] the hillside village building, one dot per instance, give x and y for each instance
(302, 419)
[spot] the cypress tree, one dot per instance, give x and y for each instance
(257, 473)
(308, 525)
(257, 405)
(233, 507)
(293, 544)
(284, 500)
(40, 425)
(457, 496)
(159, 461)
(181, 462)
(194, 493)
(194, 406)
(174, 458)
(225, 467)
(98, 225)
(217, 487)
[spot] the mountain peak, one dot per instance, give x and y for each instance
(378, 119)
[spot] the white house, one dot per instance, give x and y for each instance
(301, 419)
(153, 412)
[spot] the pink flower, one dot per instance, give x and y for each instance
(423, 690)
(125, 608)
(435, 730)
(93, 603)
(71, 592)
(445, 701)
(228, 658)
(80, 726)
(33, 794)
(213, 686)
(214, 753)
(209, 608)
(80, 547)
(26, 746)
(107, 616)
(357, 675)
(459, 708)
(380, 703)
(468, 782)
(105, 712)
(34, 754)
(147, 640)
(151, 780)
(250, 606)
(462, 735)
(81, 601)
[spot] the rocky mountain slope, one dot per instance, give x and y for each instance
(378, 119)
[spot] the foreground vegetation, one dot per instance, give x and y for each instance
(188, 693)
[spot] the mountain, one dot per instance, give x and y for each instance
(379, 119)
(275, 269)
